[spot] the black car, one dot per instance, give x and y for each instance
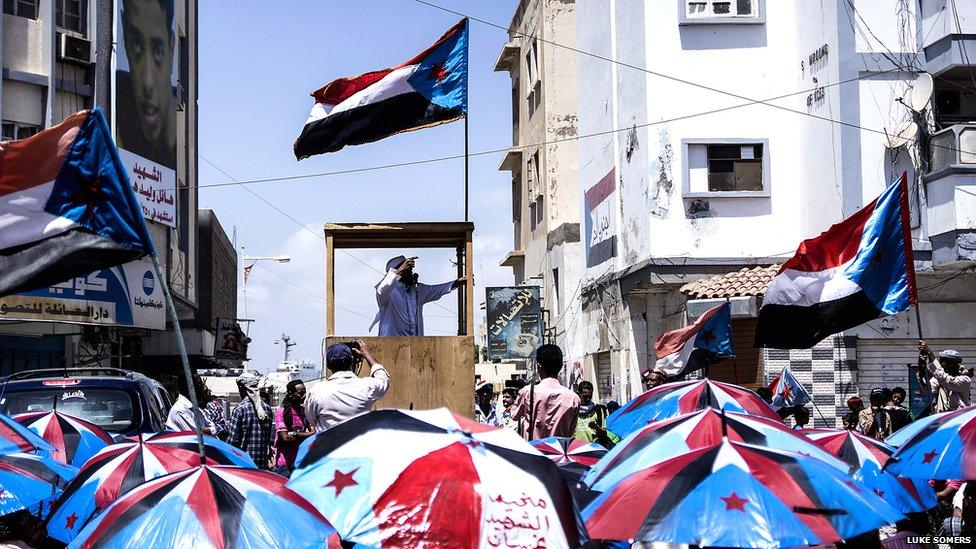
(118, 401)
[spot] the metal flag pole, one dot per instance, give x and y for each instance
(181, 345)
(467, 38)
(465, 167)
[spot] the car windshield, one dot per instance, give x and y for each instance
(110, 409)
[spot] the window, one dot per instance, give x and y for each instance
(721, 11)
(21, 8)
(533, 82)
(735, 167)
(72, 15)
(16, 130)
(110, 409)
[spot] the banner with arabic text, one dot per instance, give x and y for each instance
(514, 321)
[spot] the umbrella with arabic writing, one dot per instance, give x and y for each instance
(399, 478)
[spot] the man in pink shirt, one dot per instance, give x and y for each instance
(553, 408)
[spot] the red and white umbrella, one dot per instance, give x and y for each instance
(564, 450)
(398, 478)
(74, 440)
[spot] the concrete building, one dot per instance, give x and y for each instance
(545, 191)
(683, 183)
(63, 56)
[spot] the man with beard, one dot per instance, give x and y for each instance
(401, 297)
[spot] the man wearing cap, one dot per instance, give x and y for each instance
(850, 419)
(875, 421)
(344, 394)
(401, 298)
(484, 409)
(950, 386)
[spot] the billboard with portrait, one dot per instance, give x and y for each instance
(145, 100)
(514, 321)
(126, 295)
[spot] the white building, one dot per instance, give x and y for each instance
(543, 162)
(682, 181)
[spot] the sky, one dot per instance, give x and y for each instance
(258, 63)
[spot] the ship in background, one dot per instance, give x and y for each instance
(288, 369)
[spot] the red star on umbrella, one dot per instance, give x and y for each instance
(929, 456)
(735, 502)
(340, 481)
(853, 485)
(69, 521)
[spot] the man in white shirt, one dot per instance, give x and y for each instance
(344, 395)
(181, 415)
(401, 298)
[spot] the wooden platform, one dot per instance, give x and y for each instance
(425, 372)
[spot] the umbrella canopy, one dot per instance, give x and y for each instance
(868, 456)
(662, 440)
(74, 440)
(737, 495)
(29, 480)
(944, 448)
(208, 506)
(119, 468)
(563, 450)
(398, 478)
(902, 435)
(14, 437)
(674, 399)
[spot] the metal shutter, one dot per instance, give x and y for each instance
(604, 379)
(884, 362)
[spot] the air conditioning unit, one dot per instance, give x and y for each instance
(74, 49)
(955, 104)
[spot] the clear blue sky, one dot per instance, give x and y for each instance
(258, 63)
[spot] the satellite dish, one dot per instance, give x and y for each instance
(921, 92)
(904, 134)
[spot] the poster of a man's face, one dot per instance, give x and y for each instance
(146, 68)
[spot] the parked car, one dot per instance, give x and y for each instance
(119, 401)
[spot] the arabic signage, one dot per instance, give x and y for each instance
(231, 341)
(145, 91)
(126, 295)
(514, 321)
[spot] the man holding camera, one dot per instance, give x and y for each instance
(950, 385)
(401, 297)
(344, 394)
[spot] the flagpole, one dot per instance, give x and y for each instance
(181, 345)
(466, 167)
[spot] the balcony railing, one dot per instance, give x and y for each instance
(954, 146)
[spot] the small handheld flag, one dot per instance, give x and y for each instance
(694, 347)
(428, 90)
(858, 270)
(787, 391)
(66, 206)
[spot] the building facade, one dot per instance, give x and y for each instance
(723, 134)
(63, 56)
(545, 191)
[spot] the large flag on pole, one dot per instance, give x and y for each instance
(429, 89)
(694, 347)
(66, 206)
(858, 270)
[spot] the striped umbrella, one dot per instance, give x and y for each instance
(119, 468)
(14, 437)
(902, 435)
(398, 478)
(733, 494)
(27, 481)
(74, 440)
(667, 439)
(564, 450)
(683, 397)
(944, 448)
(868, 456)
(208, 506)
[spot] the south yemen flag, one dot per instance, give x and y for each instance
(694, 347)
(858, 270)
(66, 206)
(429, 89)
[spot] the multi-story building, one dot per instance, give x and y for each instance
(716, 135)
(545, 190)
(137, 61)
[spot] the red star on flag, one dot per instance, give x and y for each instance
(438, 72)
(91, 196)
(708, 336)
(340, 481)
(69, 521)
(927, 458)
(735, 502)
(787, 392)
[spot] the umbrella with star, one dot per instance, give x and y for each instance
(733, 494)
(31, 482)
(868, 456)
(399, 478)
(74, 439)
(208, 507)
(943, 448)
